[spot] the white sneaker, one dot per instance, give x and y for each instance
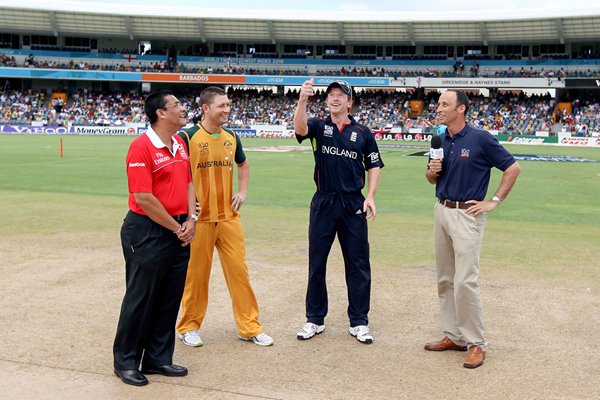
(191, 338)
(362, 334)
(261, 339)
(309, 330)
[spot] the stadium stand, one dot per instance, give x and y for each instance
(196, 65)
(516, 114)
(99, 61)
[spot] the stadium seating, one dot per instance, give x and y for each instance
(517, 114)
(126, 60)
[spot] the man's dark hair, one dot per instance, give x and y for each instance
(461, 98)
(155, 101)
(208, 95)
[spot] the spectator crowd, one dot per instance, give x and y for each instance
(502, 111)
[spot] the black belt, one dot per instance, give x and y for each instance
(180, 218)
(455, 204)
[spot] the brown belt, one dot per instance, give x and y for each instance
(455, 204)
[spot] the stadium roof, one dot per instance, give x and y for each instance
(259, 26)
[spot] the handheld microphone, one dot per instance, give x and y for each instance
(436, 152)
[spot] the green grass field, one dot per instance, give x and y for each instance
(548, 228)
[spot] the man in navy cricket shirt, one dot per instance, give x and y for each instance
(462, 178)
(343, 150)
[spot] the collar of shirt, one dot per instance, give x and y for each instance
(158, 143)
(462, 132)
(350, 117)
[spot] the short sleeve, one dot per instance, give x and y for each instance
(240, 156)
(496, 154)
(371, 152)
(139, 170)
(313, 127)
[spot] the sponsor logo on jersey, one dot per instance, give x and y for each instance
(374, 157)
(136, 164)
(161, 158)
(182, 151)
(339, 152)
(203, 148)
(328, 132)
(228, 147)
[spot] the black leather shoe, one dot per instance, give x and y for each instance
(166, 370)
(131, 377)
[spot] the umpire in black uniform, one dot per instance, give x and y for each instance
(343, 150)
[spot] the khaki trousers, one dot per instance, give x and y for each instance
(457, 239)
(228, 237)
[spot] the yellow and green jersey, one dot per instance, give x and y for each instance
(212, 158)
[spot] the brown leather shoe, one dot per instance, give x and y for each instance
(443, 345)
(474, 358)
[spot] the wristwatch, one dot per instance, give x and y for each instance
(194, 217)
(496, 199)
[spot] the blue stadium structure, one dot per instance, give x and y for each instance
(126, 48)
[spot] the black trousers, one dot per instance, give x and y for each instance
(155, 270)
(341, 214)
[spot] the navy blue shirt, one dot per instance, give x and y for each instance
(341, 158)
(469, 157)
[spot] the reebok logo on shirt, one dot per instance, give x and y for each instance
(137, 164)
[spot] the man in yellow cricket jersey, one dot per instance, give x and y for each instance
(213, 151)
